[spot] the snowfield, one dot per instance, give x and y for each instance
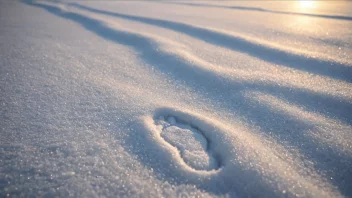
(175, 98)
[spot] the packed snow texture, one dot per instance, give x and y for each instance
(190, 142)
(175, 98)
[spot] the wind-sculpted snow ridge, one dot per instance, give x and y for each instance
(171, 51)
(255, 48)
(101, 102)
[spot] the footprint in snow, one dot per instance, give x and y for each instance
(191, 143)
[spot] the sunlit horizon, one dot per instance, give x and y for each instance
(307, 4)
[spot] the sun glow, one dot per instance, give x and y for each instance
(307, 4)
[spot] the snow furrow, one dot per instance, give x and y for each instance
(109, 103)
(328, 68)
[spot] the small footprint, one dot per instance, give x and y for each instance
(190, 141)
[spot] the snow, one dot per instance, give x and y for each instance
(175, 98)
(190, 142)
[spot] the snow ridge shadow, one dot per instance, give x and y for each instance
(331, 69)
(199, 80)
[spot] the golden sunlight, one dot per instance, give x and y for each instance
(307, 4)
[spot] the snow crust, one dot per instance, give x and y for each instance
(190, 142)
(175, 99)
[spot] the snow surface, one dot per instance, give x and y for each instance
(190, 143)
(175, 98)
